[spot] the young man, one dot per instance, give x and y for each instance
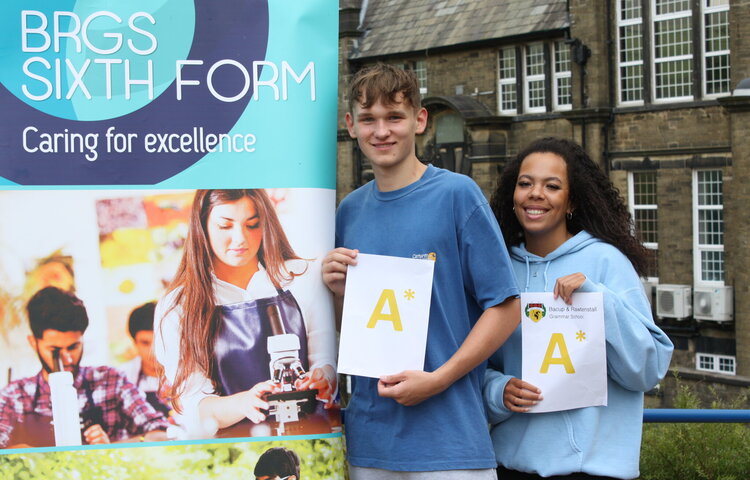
(277, 463)
(141, 371)
(113, 409)
(431, 422)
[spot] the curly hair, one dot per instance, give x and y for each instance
(598, 206)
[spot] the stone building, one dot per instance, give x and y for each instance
(650, 88)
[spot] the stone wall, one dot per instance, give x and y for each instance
(474, 72)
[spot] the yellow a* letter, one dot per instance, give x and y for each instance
(558, 341)
(388, 296)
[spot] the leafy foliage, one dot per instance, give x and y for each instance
(320, 459)
(699, 451)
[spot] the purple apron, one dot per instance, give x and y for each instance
(241, 353)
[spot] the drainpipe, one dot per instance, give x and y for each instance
(581, 54)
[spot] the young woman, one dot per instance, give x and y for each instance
(569, 231)
(238, 277)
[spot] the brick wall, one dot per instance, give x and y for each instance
(675, 226)
(739, 28)
(737, 234)
(525, 132)
(737, 189)
(588, 25)
(474, 70)
(671, 128)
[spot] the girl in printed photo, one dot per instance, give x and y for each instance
(225, 330)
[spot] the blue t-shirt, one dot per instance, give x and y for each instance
(443, 216)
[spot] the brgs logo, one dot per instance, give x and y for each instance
(425, 256)
(535, 311)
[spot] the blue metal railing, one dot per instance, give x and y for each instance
(683, 415)
(687, 415)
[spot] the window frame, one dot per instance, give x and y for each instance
(551, 77)
(558, 76)
(705, 11)
(507, 81)
(420, 70)
(620, 65)
(528, 79)
(699, 248)
(632, 206)
(696, 79)
(665, 17)
(716, 363)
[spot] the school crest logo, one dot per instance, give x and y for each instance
(535, 311)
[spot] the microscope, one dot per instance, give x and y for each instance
(290, 404)
(64, 399)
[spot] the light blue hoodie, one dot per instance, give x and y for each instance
(594, 440)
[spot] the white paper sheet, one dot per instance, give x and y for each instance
(564, 352)
(386, 314)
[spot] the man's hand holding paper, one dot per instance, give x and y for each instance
(385, 317)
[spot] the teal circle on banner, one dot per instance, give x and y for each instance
(142, 84)
(74, 58)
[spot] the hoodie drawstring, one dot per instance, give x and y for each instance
(528, 273)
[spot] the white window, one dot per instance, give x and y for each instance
(709, 362)
(534, 81)
(672, 40)
(536, 70)
(715, 16)
(508, 94)
(643, 208)
(421, 70)
(708, 228)
(630, 45)
(671, 58)
(563, 89)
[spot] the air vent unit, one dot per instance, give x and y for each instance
(713, 303)
(673, 301)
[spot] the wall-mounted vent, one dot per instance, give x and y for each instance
(713, 303)
(673, 301)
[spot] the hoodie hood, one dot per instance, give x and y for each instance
(574, 244)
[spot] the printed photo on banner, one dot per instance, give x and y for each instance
(564, 350)
(164, 315)
(386, 315)
(125, 308)
(306, 459)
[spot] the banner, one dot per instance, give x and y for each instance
(167, 194)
